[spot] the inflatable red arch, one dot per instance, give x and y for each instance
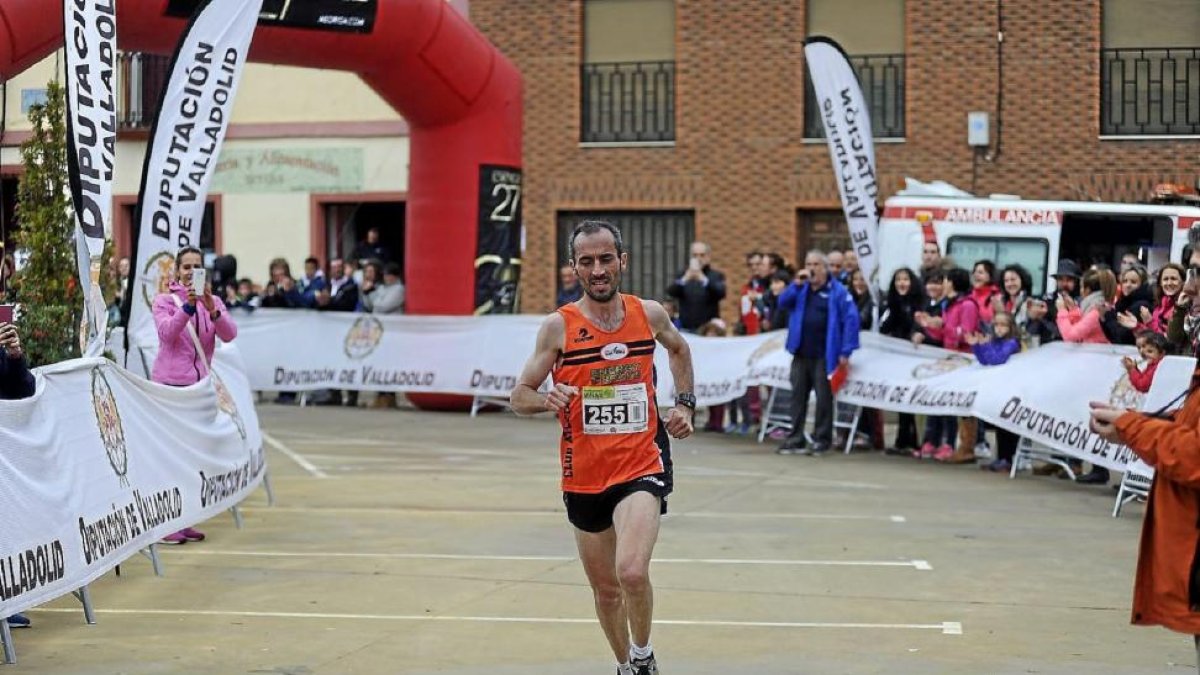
(460, 96)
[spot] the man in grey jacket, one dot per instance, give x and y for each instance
(388, 298)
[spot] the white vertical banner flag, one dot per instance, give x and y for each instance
(185, 144)
(90, 41)
(847, 124)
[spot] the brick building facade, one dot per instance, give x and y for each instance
(740, 163)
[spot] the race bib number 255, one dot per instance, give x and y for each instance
(619, 409)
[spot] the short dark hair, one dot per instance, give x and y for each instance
(1156, 340)
(960, 280)
(393, 269)
(934, 277)
(313, 260)
(592, 227)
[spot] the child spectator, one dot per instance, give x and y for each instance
(960, 319)
(716, 413)
(940, 430)
(1152, 347)
(994, 352)
(778, 316)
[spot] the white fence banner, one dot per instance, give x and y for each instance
(1042, 394)
(100, 463)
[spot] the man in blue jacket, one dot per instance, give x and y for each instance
(822, 333)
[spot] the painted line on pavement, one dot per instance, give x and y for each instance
(416, 511)
(946, 627)
(292, 455)
(921, 565)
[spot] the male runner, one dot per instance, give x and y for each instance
(615, 454)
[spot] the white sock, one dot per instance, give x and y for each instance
(625, 669)
(640, 652)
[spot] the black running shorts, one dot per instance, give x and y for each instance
(594, 513)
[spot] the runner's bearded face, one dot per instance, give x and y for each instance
(598, 265)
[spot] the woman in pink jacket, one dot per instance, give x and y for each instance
(1082, 322)
(177, 363)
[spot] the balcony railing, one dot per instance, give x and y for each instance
(1150, 91)
(881, 77)
(142, 78)
(628, 102)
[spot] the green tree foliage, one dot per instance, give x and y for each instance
(48, 286)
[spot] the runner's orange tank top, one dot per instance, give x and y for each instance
(609, 428)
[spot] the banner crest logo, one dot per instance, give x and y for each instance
(226, 403)
(108, 419)
(1124, 395)
(941, 367)
(363, 337)
(155, 276)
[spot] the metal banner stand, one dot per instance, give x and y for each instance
(10, 650)
(266, 483)
(1134, 486)
(480, 402)
(1028, 451)
(85, 598)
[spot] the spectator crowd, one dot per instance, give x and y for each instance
(985, 310)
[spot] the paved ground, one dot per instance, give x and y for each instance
(408, 542)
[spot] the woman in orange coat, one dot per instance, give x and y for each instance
(1166, 590)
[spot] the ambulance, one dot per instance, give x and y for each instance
(1036, 234)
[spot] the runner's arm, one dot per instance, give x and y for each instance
(679, 417)
(678, 352)
(525, 399)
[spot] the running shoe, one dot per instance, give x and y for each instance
(192, 534)
(646, 666)
(174, 538)
(18, 621)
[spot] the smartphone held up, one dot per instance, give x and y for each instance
(199, 280)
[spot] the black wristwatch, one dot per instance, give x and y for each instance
(686, 399)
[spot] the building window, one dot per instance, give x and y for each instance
(1032, 254)
(141, 81)
(876, 50)
(822, 230)
(1150, 68)
(627, 79)
(658, 243)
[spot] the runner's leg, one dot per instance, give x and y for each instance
(598, 553)
(636, 521)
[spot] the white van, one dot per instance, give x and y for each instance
(1036, 234)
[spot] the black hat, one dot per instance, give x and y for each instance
(1067, 268)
